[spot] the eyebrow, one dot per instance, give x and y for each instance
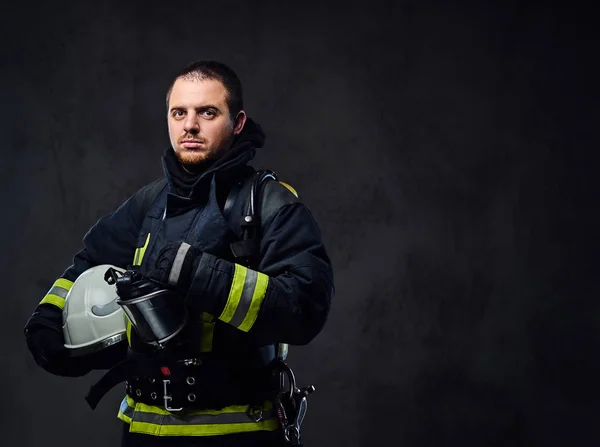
(206, 107)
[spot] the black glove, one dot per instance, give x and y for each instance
(45, 340)
(175, 266)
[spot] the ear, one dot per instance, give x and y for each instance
(239, 122)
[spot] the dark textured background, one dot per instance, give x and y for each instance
(446, 149)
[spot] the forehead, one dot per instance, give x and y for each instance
(195, 93)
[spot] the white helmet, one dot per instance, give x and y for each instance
(92, 319)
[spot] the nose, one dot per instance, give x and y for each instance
(191, 124)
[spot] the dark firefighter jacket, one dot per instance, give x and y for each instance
(234, 309)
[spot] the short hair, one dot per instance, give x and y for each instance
(217, 71)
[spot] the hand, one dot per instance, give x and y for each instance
(175, 266)
(46, 344)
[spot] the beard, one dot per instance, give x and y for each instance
(195, 162)
(199, 160)
(191, 158)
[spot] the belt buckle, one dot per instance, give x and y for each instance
(167, 397)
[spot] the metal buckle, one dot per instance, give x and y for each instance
(292, 431)
(167, 397)
(255, 413)
(296, 399)
(192, 362)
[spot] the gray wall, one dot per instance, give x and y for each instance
(445, 150)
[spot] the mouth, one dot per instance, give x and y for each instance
(191, 144)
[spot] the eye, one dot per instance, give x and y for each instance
(209, 113)
(177, 113)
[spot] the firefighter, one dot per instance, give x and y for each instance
(186, 235)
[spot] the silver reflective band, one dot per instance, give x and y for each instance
(199, 419)
(90, 349)
(126, 409)
(245, 298)
(59, 291)
(178, 263)
(106, 309)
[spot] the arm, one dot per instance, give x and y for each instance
(289, 296)
(111, 240)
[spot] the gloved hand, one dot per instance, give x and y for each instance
(175, 266)
(45, 341)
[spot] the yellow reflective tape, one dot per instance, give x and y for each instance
(145, 408)
(64, 283)
(53, 298)
(237, 286)
(140, 252)
(208, 329)
(293, 191)
(128, 330)
(202, 429)
(262, 281)
(169, 424)
(56, 300)
(123, 417)
(135, 256)
(125, 408)
(208, 318)
(143, 249)
(132, 403)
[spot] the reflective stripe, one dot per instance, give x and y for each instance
(102, 310)
(246, 295)
(208, 329)
(196, 419)
(140, 252)
(64, 283)
(237, 286)
(126, 411)
(57, 301)
(292, 190)
(260, 291)
(57, 293)
(143, 249)
(245, 298)
(157, 421)
(127, 328)
(178, 263)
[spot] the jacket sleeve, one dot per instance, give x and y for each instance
(111, 240)
(287, 299)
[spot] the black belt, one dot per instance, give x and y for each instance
(188, 383)
(184, 386)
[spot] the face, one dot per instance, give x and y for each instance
(200, 127)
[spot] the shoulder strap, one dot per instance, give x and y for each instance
(247, 223)
(260, 202)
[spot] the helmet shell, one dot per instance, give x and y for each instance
(92, 318)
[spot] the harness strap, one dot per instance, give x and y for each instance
(112, 378)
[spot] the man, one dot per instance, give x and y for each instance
(180, 237)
